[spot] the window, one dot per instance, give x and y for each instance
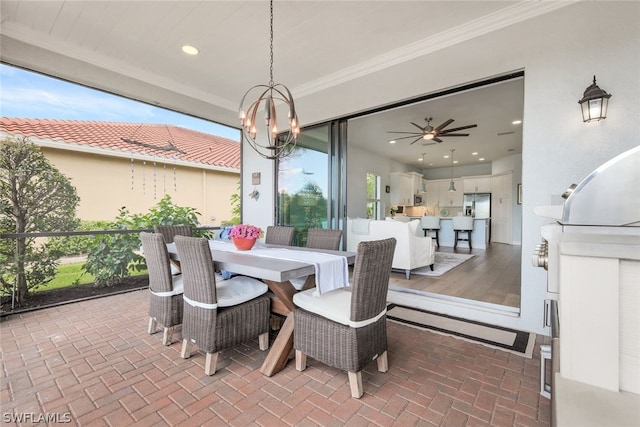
(373, 197)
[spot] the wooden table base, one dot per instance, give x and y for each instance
(283, 345)
(280, 350)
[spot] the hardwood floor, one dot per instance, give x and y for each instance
(491, 276)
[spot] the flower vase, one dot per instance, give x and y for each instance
(243, 244)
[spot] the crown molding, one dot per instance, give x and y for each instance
(505, 17)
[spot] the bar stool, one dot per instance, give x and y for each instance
(462, 224)
(429, 224)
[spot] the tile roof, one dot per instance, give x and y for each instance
(139, 138)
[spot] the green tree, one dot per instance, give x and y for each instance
(236, 208)
(34, 197)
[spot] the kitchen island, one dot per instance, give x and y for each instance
(479, 235)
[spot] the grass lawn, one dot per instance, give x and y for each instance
(72, 274)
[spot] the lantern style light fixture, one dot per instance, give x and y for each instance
(274, 146)
(594, 103)
(452, 185)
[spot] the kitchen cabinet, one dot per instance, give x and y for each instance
(438, 193)
(451, 198)
(502, 185)
(501, 208)
(433, 193)
(404, 186)
(480, 184)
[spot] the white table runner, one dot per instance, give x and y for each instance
(332, 271)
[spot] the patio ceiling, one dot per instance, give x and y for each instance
(133, 48)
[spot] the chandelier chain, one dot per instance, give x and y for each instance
(271, 43)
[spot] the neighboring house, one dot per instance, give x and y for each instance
(133, 165)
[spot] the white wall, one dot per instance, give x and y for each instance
(559, 53)
(259, 212)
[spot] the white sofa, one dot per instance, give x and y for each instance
(413, 250)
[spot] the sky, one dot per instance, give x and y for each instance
(29, 95)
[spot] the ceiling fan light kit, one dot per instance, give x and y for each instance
(430, 133)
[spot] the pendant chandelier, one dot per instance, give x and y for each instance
(452, 185)
(272, 145)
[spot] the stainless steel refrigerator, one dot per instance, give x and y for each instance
(478, 205)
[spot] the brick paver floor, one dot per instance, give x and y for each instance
(92, 363)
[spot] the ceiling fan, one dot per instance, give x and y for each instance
(430, 133)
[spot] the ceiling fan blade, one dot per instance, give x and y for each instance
(418, 126)
(428, 143)
(444, 125)
(454, 134)
(436, 139)
(416, 140)
(410, 136)
(412, 133)
(458, 128)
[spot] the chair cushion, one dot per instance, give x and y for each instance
(334, 305)
(178, 288)
(238, 289)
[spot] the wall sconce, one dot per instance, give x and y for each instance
(594, 103)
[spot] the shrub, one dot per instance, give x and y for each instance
(77, 245)
(111, 257)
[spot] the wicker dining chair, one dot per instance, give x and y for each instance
(347, 328)
(322, 238)
(318, 238)
(170, 231)
(279, 235)
(165, 301)
(219, 315)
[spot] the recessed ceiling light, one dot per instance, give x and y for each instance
(455, 161)
(475, 153)
(481, 159)
(516, 122)
(446, 157)
(420, 160)
(189, 50)
(393, 141)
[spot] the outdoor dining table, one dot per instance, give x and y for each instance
(276, 273)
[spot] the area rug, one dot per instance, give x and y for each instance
(444, 262)
(510, 340)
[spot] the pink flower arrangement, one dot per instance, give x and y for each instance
(245, 231)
